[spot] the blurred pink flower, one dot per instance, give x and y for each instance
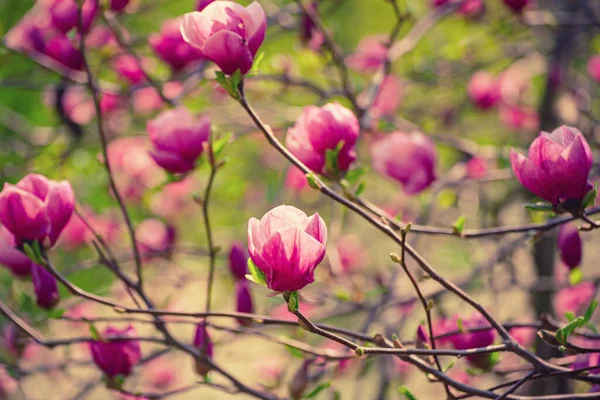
(8, 384)
(243, 301)
(128, 67)
(574, 299)
(45, 287)
(484, 90)
(117, 357)
(76, 103)
(161, 373)
(147, 99)
(477, 167)
(518, 117)
(238, 261)
(370, 54)
(593, 67)
(523, 335)
(570, 246)
(153, 236)
(18, 263)
(352, 253)
(60, 48)
(173, 198)
(388, 99)
(517, 6)
(408, 158)
(309, 34)
(295, 180)
(170, 47)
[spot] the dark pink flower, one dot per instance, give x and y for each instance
(477, 167)
(287, 245)
(61, 49)
(295, 179)
(153, 236)
(408, 158)
(472, 8)
(243, 301)
(370, 54)
(310, 35)
(227, 33)
(8, 384)
(484, 90)
(593, 67)
(238, 261)
(474, 339)
(129, 68)
(178, 139)
(203, 342)
(557, 166)
(171, 48)
(570, 247)
(45, 286)
(388, 99)
(118, 5)
(517, 5)
(111, 102)
(201, 4)
(518, 117)
(36, 208)
(64, 14)
(18, 263)
(320, 129)
(116, 357)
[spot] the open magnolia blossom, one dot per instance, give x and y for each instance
(227, 33)
(287, 245)
(557, 166)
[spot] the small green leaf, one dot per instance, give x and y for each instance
(590, 311)
(360, 189)
(569, 316)
(459, 324)
(562, 334)
(94, 333)
(312, 181)
(331, 159)
(407, 393)
(293, 302)
(317, 389)
(256, 65)
(494, 358)
(459, 225)
(545, 207)
(450, 365)
(257, 275)
(219, 145)
(590, 197)
(575, 276)
(355, 174)
(295, 352)
(56, 313)
(33, 252)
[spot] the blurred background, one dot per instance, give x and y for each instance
(539, 61)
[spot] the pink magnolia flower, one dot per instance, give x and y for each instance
(517, 6)
(388, 99)
(174, 199)
(518, 117)
(227, 33)
(557, 166)
(178, 139)
(203, 342)
(161, 373)
(171, 48)
(128, 67)
(201, 4)
(593, 67)
(523, 335)
(320, 129)
(472, 8)
(484, 90)
(147, 99)
(475, 339)
(8, 384)
(110, 102)
(27, 35)
(574, 299)
(570, 247)
(408, 158)
(116, 357)
(45, 286)
(18, 263)
(36, 208)
(287, 245)
(61, 49)
(370, 54)
(64, 14)
(243, 301)
(477, 167)
(295, 180)
(238, 261)
(310, 35)
(118, 5)
(153, 236)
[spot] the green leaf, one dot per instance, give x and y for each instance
(34, 252)
(355, 174)
(331, 159)
(545, 207)
(256, 65)
(459, 324)
(94, 333)
(590, 197)
(562, 335)
(494, 358)
(575, 276)
(590, 311)
(569, 316)
(235, 80)
(317, 389)
(312, 181)
(257, 275)
(293, 302)
(407, 393)
(450, 365)
(360, 189)
(56, 313)
(294, 351)
(219, 145)
(459, 225)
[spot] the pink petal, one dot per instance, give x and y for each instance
(229, 51)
